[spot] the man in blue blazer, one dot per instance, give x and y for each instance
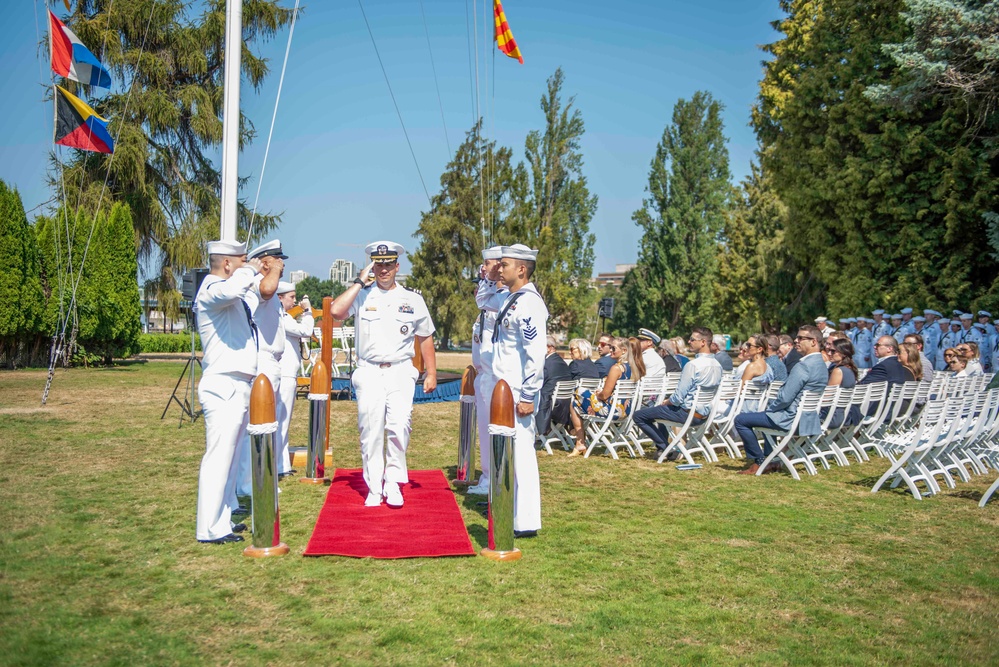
(604, 345)
(888, 369)
(809, 374)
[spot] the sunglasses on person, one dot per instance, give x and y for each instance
(798, 339)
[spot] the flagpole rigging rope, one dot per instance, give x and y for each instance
(277, 100)
(468, 45)
(433, 68)
(394, 103)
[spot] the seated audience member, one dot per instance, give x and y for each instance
(702, 371)
(681, 350)
(757, 370)
(582, 365)
(668, 352)
(887, 369)
(959, 366)
(927, 365)
(774, 358)
(556, 370)
(723, 357)
(790, 353)
(604, 346)
(742, 359)
(969, 352)
(654, 366)
(843, 373)
(627, 366)
(808, 374)
(912, 366)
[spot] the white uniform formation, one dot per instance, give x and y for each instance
(508, 343)
(938, 334)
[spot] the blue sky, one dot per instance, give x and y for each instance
(339, 167)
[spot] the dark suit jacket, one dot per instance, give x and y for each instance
(584, 368)
(556, 370)
(888, 370)
(791, 359)
(604, 363)
(672, 365)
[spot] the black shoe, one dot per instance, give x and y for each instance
(223, 540)
(673, 456)
(525, 533)
(239, 528)
(240, 511)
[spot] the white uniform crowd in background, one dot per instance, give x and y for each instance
(938, 333)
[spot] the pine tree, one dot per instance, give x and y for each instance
(671, 287)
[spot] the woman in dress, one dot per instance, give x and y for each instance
(843, 373)
(596, 402)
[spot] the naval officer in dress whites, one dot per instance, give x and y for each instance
(519, 358)
(387, 319)
(291, 363)
(228, 338)
(482, 360)
(654, 365)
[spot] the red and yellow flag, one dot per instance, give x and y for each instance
(504, 38)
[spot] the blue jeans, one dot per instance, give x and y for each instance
(646, 420)
(744, 425)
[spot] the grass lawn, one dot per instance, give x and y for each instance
(637, 563)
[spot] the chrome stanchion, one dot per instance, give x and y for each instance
(266, 539)
(466, 430)
(319, 396)
(501, 431)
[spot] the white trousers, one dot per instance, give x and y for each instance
(244, 480)
(526, 481)
(225, 401)
(384, 411)
(484, 385)
(285, 406)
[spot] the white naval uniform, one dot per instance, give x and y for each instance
(385, 324)
(904, 329)
(291, 363)
(931, 341)
(947, 341)
(655, 367)
(863, 348)
(882, 328)
(485, 381)
(519, 358)
(228, 366)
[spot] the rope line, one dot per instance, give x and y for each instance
(277, 100)
(433, 68)
(395, 104)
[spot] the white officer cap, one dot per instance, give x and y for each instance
(284, 287)
(907, 311)
(496, 252)
(943, 321)
(879, 311)
(648, 334)
(819, 319)
(228, 248)
(520, 251)
(269, 249)
(966, 316)
(896, 316)
(918, 318)
(984, 313)
(385, 252)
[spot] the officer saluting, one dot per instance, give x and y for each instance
(228, 338)
(519, 358)
(387, 318)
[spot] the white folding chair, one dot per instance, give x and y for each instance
(785, 443)
(564, 390)
(606, 431)
(689, 431)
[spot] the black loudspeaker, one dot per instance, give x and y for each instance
(606, 308)
(192, 283)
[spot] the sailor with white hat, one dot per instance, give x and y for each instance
(390, 320)
(295, 331)
(896, 324)
(655, 367)
(968, 332)
(947, 339)
(907, 326)
(228, 339)
(482, 360)
(881, 327)
(519, 356)
(863, 343)
(931, 334)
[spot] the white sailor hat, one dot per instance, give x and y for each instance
(520, 251)
(943, 320)
(879, 311)
(984, 313)
(966, 316)
(228, 248)
(907, 311)
(384, 252)
(495, 252)
(820, 319)
(956, 322)
(648, 334)
(896, 316)
(269, 249)
(918, 318)
(844, 320)
(957, 313)
(851, 320)
(285, 287)
(928, 311)
(979, 326)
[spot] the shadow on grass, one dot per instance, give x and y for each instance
(480, 536)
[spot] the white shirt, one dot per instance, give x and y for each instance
(294, 332)
(224, 325)
(386, 321)
(519, 350)
(482, 331)
(267, 315)
(655, 367)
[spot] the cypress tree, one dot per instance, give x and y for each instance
(21, 297)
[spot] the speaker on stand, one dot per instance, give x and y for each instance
(191, 285)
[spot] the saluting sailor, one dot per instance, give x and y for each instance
(291, 365)
(228, 339)
(482, 360)
(519, 358)
(387, 319)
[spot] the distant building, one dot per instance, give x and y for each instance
(615, 278)
(298, 276)
(343, 271)
(401, 278)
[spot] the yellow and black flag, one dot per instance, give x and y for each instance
(79, 126)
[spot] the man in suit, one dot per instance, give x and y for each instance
(556, 370)
(604, 346)
(809, 374)
(888, 369)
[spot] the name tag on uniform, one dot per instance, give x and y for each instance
(371, 308)
(406, 308)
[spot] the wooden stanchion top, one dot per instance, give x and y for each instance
(320, 380)
(262, 401)
(501, 408)
(468, 382)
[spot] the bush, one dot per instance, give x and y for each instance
(166, 342)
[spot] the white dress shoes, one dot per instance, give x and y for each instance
(480, 489)
(373, 499)
(393, 495)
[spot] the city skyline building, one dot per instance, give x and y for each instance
(343, 271)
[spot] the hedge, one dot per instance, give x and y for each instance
(167, 342)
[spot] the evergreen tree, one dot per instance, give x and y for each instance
(317, 289)
(21, 298)
(475, 187)
(671, 288)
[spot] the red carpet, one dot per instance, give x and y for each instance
(428, 524)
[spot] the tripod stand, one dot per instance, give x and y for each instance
(187, 405)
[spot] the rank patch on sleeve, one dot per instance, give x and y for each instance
(529, 332)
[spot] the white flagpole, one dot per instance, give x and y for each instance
(230, 117)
